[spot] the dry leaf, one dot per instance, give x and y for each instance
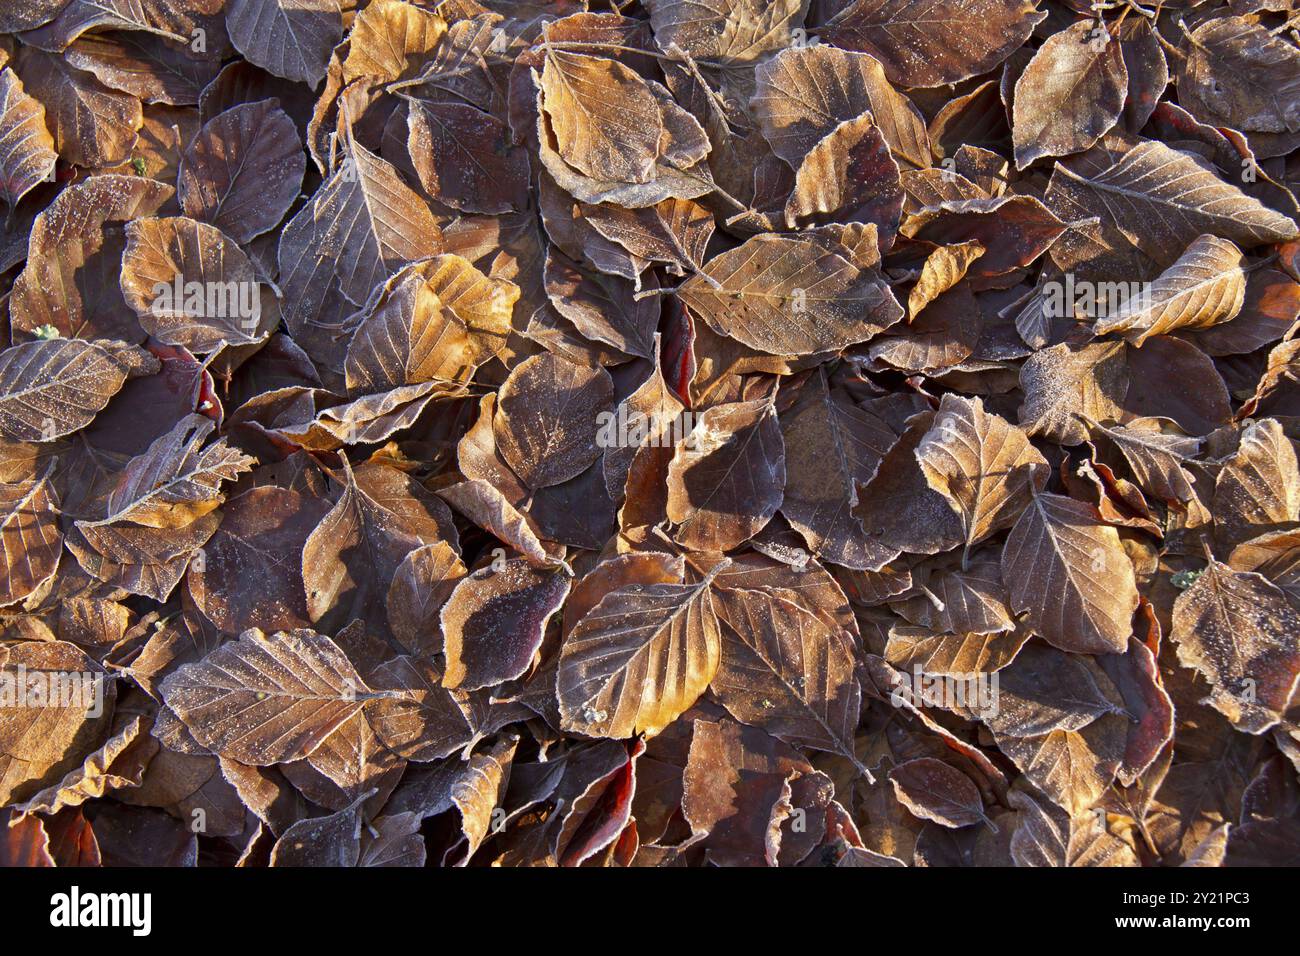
(30, 537)
(1070, 93)
(545, 425)
(1240, 633)
(787, 671)
(494, 622)
(25, 143)
(54, 387)
(243, 170)
(289, 38)
(804, 93)
(789, 296)
(726, 477)
(932, 790)
(923, 43)
(982, 464)
(638, 659)
(1204, 287)
(190, 285)
(1162, 199)
(266, 699)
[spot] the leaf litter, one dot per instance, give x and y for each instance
(481, 433)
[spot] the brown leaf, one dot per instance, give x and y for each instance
(72, 277)
(1258, 489)
(943, 336)
(30, 538)
(849, 176)
(675, 231)
(1071, 574)
(494, 623)
(409, 339)
(638, 659)
(787, 671)
(44, 735)
(545, 425)
(1240, 633)
(1204, 287)
(486, 505)
(970, 602)
(831, 447)
(926, 44)
(91, 124)
(349, 560)
(333, 840)
(737, 790)
(25, 143)
(190, 285)
(1276, 555)
(1045, 690)
(173, 483)
(289, 38)
(1161, 199)
(805, 92)
(479, 793)
(267, 699)
(261, 538)
(603, 308)
(789, 297)
(1156, 451)
(729, 34)
(1046, 835)
(726, 478)
(951, 654)
(1070, 94)
(1014, 230)
(933, 790)
(149, 66)
(117, 764)
(243, 170)
(29, 15)
(983, 465)
(145, 561)
(365, 420)
(152, 16)
(421, 586)
(650, 414)
(1240, 70)
(464, 158)
(1062, 383)
(1073, 768)
(605, 118)
(24, 842)
(359, 227)
(942, 270)
(416, 717)
(55, 387)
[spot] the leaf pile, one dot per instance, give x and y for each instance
(520, 434)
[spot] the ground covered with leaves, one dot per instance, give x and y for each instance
(690, 432)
